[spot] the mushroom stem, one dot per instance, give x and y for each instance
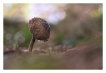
(31, 44)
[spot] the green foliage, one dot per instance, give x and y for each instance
(4, 40)
(59, 38)
(100, 22)
(26, 31)
(27, 35)
(81, 38)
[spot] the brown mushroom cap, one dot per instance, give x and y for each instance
(39, 28)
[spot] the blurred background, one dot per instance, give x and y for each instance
(71, 24)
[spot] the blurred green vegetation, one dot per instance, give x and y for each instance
(82, 24)
(78, 27)
(16, 32)
(58, 38)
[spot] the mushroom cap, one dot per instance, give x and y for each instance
(39, 28)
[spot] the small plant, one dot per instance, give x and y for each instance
(40, 30)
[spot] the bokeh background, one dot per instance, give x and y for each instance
(72, 25)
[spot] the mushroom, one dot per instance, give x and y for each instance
(39, 29)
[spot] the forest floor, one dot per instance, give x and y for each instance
(86, 56)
